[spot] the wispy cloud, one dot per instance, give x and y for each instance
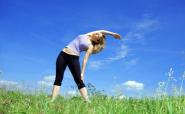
(140, 29)
(133, 85)
(147, 25)
(130, 63)
(120, 54)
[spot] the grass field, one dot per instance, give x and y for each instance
(18, 102)
(14, 102)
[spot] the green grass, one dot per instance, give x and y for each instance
(14, 102)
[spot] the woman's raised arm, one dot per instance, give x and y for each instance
(115, 35)
(105, 32)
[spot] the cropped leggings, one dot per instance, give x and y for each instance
(72, 61)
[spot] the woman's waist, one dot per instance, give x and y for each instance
(69, 51)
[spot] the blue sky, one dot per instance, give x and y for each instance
(32, 33)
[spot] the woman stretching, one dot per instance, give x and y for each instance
(92, 43)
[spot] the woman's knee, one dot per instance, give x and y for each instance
(57, 82)
(80, 84)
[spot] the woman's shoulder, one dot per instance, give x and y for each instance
(85, 38)
(82, 36)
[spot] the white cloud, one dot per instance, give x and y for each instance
(120, 97)
(7, 83)
(128, 88)
(96, 64)
(1, 73)
(47, 81)
(71, 93)
(131, 35)
(49, 78)
(10, 85)
(132, 62)
(147, 24)
(133, 85)
(183, 76)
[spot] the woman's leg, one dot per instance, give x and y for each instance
(55, 92)
(83, 92)
(60, 68)
(74, 66)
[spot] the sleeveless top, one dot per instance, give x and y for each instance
(79, 44)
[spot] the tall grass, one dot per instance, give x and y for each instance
(16, 102)
(12, 102)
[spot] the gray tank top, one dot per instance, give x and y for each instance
(79, 44)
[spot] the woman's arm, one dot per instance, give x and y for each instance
(86, 57)
(105, 32)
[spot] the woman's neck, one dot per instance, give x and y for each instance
(89, 38)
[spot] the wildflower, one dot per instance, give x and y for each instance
(170, 73)
(161, 84)
(183, 76)
(121, 97)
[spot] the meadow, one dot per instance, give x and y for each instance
(18, 102)
(12, 102)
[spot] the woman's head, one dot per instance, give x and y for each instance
(96, 37)
(98, 42)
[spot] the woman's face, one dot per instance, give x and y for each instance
(96, 37)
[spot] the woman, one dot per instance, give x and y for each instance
(92, 43)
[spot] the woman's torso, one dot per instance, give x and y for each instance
(79, 44)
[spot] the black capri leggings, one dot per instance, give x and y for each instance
(73, 63)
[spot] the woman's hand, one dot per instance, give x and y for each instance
(117, 36)
(82, 77)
